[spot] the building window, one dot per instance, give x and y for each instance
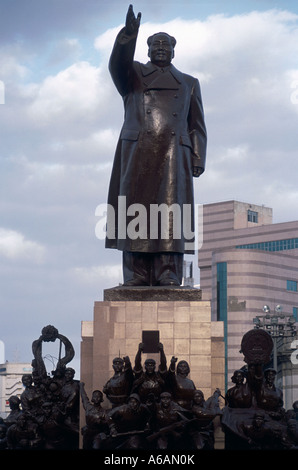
(276, 245)
(292, 285)
(252, 216)
(295, 313)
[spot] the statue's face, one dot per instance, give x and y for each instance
(118, 366)
(27, 380)
(270, 377)
(161, 50)
(69, 375)
(165, 400)
(97, 397)
(150, 367)
(198, 398)
(238, 378)
(183, 368)
(133, 404)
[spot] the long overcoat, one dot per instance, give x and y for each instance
(163, 137)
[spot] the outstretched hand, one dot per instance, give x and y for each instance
(132, 22)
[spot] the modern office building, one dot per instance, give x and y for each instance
(11, 383)
(246, 262)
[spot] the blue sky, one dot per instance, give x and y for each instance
(61, 120)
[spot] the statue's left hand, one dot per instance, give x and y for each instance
(132, 23)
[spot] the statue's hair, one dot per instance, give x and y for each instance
(270, 369)
(172, 39)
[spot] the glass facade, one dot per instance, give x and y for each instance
(292, 285)
(276, 245)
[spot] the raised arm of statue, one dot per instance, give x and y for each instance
(138, 359)
(132, 22)
(173, 362)
(121, 60)
(163, 359)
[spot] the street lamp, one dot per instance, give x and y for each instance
(278, 325)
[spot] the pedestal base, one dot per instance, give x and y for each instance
(153, 293)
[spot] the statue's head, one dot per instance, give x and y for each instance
(259, 419)
(161, 49)
(198, 397)
(165, 399)
(27, 380)
(118, 364)
(69, 373)
(14, 402)
(183, 368)
(238, 376)
(97, 397)
(134, 401)
(269, 375)
(295, 405)
(150, 365)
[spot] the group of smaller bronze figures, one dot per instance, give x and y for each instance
(46, 415)
(149, 407)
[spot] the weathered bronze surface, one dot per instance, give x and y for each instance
(162, 145)
(150, 414)
(47, 414)
(254, 417)
(256, 346)
(150, 406)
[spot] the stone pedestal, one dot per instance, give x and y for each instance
(153, 293)
(185, 329)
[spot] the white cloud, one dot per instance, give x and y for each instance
(10, 67)
(14, 246)
(105, 41)
(96, 147)
(65, 48)
(72, 93)
(99, 274)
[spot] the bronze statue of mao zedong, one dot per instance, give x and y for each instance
(162, 146)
